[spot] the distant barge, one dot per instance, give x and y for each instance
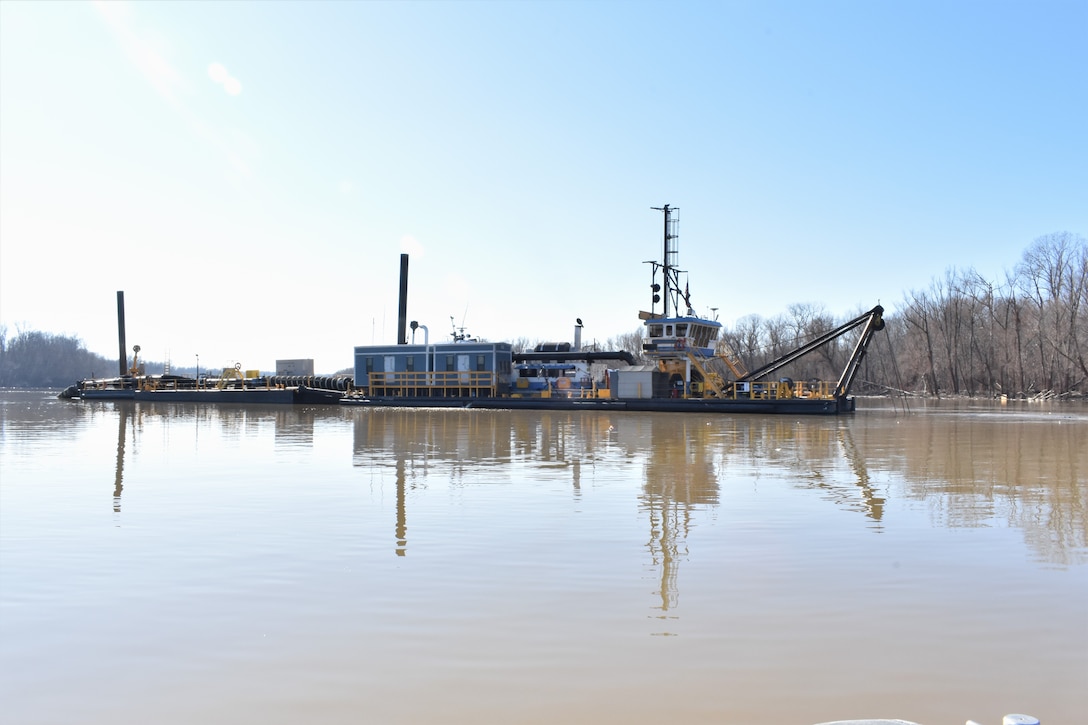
(268, 389)
(231, 386)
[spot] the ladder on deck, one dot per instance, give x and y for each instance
(731, 359)
(713, 379)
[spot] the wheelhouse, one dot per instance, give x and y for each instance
(679, 336)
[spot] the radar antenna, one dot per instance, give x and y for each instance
(458, 334)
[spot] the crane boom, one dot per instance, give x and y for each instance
(873, 321)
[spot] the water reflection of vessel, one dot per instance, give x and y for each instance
(690, 367)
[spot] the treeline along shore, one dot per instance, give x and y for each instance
(35, 359)
(1024, 336)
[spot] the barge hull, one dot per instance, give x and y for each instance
(797, 406)
(273, 396)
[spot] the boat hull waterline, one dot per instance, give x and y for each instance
(648, 405)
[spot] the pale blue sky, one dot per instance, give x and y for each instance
(250, 172)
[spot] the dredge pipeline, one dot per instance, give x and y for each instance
(341, 383)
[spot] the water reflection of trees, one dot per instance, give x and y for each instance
(1025, 469)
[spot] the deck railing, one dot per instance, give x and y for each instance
(817, 389)
(480, 384)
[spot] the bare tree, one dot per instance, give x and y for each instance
(1052, 276)
(1022, 334)
(629, 341)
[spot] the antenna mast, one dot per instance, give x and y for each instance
(669, 258)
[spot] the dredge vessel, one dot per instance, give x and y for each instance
(689, 367)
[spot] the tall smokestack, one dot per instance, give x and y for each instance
(122, 350)
(402, 314)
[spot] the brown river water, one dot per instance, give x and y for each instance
(230, 564)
